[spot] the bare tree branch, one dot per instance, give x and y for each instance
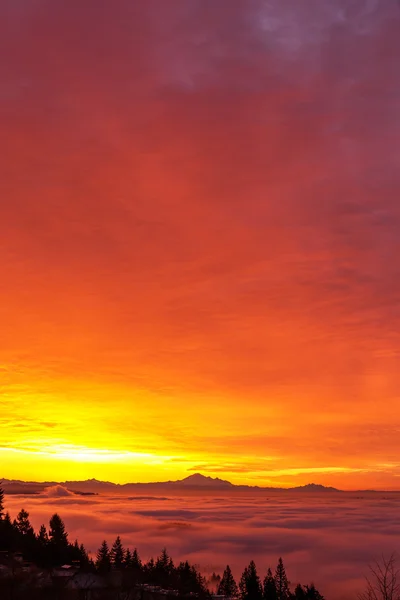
(383, 582)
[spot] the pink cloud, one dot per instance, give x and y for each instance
(57, 491)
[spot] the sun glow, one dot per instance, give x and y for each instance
(95, 455)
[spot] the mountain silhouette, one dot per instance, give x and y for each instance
(199, 480)
(314, 487)
(196, 481)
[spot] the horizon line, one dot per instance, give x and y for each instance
(177, 481)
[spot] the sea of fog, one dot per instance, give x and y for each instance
(327, 538)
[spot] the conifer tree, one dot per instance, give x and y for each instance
(136, 561)
(227, 586)
(189, 580)
(1, 503)
(84, 558)
(57, 533)
(117, 554)
(163, 561)
(281, 582)
(149, 571)
(7, 533)
(163, 569)
(42, 536)
(128, 559)
(312, 593)
(103, 560)
(136, 567)
(269, 587)
(43, 549)
(250, 584)
(150, 565)
(58, 541)
(201, 585)
(22, 523)
(242, 583)
(300, 593)
(23, 535)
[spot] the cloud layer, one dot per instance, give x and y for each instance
(57, 491)
(329, 539)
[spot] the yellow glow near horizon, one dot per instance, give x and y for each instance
(66, 463)
(81, 436)
(91, 455)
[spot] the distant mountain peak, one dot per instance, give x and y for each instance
(93, 481)
(199, 480)
(197, 477)
(315, 487)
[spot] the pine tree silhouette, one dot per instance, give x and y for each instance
(250, 584)
(269, 587)
(1, 503)
(163, 569)
(42, 537)
(23, 524)
(57, 533)
(128, 559)
(117, 554)
(58, 540)
(136, 567)
(308, 592)
(227, 586)
(312, 593)
(136, 562)
(281, 582)
(86, 563)
(163, 561)
(7, 534)
(189, 580)
(43, 549)
(103, 560)
(300, 593)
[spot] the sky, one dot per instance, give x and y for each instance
(199, 226)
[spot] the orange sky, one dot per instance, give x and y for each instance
(199, 232)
